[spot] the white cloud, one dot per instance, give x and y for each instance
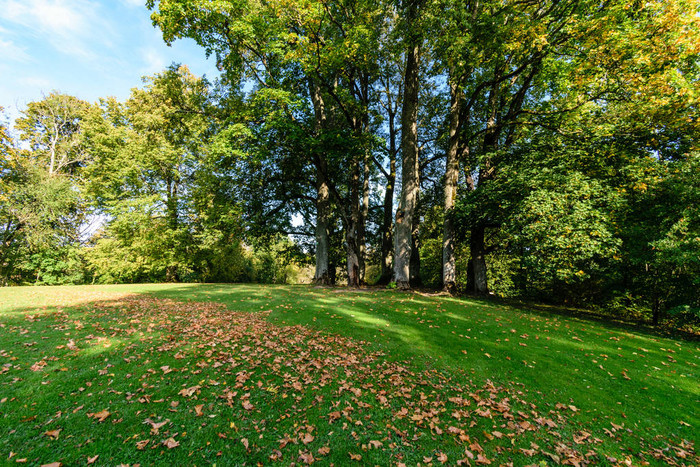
(70, 26)
(43, 84)
(12, 52)
(153, 61)
(135, 3)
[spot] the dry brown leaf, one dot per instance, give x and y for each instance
(188, 392)
(170, 443)
(53, 434)
(306, 457)
(141, 445)
(308, 438)
(155, 427)
(100, 416)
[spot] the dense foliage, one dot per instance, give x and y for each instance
(543, 150)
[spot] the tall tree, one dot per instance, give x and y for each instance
(8, 222)
(390, 92)
(327, 45)
(44, 212)
(146, 155)
(51, 127)
(410, 183)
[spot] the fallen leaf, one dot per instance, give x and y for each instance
(188, 392)
(171, 443)
(156, 426)
(100, 416)
(306, 457)
(91, 460)
(53, 434)
(141, 445)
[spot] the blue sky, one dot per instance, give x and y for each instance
(86, 48)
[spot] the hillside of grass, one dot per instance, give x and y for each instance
(246, 374)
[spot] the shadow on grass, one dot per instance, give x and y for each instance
(584, 358)
(602, 318)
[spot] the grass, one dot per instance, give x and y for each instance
(261, 374)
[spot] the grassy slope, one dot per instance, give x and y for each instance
(612, 375)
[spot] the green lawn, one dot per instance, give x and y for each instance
(247, 374)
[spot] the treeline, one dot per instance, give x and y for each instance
(542, 149)
(131, 191)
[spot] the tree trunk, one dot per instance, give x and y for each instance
(414, 272)
(352, 259)
(449, 270)
(409, 172)
(362, 225)
(171, 271)
(351, 227)
(323, 204)
(387, 237)
(478, 282)
(656, 311)
(322, 275)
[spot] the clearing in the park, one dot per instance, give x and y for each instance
(251, 374)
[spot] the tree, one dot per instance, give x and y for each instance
(522, 71)
(44, 213)
(328, 47)
(8, 176)
(410, 179)
(51, 128)
(147, 154)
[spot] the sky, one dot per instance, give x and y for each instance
(86, 48)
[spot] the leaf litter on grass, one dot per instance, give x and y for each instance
(322, 396)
